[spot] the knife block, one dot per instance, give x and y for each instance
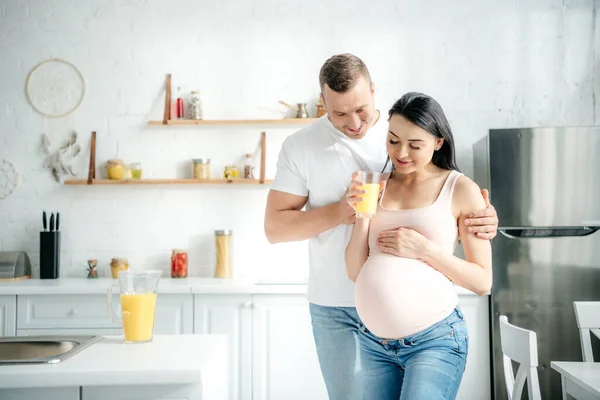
(49, 255)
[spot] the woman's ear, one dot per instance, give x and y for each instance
(439, 143)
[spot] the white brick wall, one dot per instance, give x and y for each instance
(491, 64)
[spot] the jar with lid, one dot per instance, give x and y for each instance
(118, 264)
(231, 172)
(223, 254)
(136, 170)
(179, 263)
(115, 169)
(249, 167)
(201, 168)
(195, 105)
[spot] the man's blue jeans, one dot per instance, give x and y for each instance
(336, 331)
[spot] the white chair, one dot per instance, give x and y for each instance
(588, 322)
(520, 345)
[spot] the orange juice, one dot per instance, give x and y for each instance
(138, 316)
(367, 207)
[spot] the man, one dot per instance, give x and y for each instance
(314, 169)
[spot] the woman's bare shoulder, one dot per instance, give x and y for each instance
(467, 195)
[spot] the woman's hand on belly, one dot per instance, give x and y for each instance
(403, 242)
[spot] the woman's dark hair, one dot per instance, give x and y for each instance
(426, 113)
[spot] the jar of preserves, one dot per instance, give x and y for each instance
(179, 263)
(231, 172)
(118, 264)
(201, 168)
(115, 169)
(223, 251)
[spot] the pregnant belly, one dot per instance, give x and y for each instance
(397, 297)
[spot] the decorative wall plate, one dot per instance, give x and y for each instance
(55, 88)
(9, 178)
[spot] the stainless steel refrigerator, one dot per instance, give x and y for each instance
(545, 186)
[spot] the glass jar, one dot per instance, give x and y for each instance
(179, 263)
(195, 105)
(231, 172)
(249, 167)
(136, 170)
(118, 264)
(223, 257)
(115, 169)
(201, 168)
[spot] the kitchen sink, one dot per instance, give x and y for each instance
(42, 349)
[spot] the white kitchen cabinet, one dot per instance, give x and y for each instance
(62, 393)
(174, 313)
(284, 357)
(8, 315)
(70, 331)
(231, 315)
(475, 384)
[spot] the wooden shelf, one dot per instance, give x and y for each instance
(283, 121)
(239, 181)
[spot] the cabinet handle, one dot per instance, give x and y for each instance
(74, 311)
(247, 304)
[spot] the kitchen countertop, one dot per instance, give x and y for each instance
(168, 359)
(166, 285)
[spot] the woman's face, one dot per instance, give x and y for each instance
(410, 147)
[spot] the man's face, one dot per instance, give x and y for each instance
(351, 112)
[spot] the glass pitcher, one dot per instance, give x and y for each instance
(138, 304)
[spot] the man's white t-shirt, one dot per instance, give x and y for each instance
(318, 162)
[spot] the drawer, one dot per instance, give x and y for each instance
(174, 312)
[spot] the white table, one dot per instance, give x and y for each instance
(579, 379)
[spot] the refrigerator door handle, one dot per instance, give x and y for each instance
(533, 233)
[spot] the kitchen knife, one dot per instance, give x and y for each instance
(52, 222)
(44, 221)
(57, 221)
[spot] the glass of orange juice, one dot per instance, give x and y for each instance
(137, 290)
(367, 207)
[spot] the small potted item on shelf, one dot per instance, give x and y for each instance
(115, 169)
(179, 264)
(91, 270)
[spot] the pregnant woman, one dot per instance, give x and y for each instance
(414, 340)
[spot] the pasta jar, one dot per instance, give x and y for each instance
(223, 250)
(179, 263)
(201, 168)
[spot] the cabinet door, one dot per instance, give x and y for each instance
(284, 357)
(231, 315)
(8, 315)
(91, 331)
(475, 384)
(174, 314)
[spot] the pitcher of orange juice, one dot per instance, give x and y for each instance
(138, 304)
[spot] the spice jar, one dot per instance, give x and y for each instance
(201, 168)
(115, 169)
(118, 264)
(223, 250)
(179, 263)
(249, 167)
(195, 105)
